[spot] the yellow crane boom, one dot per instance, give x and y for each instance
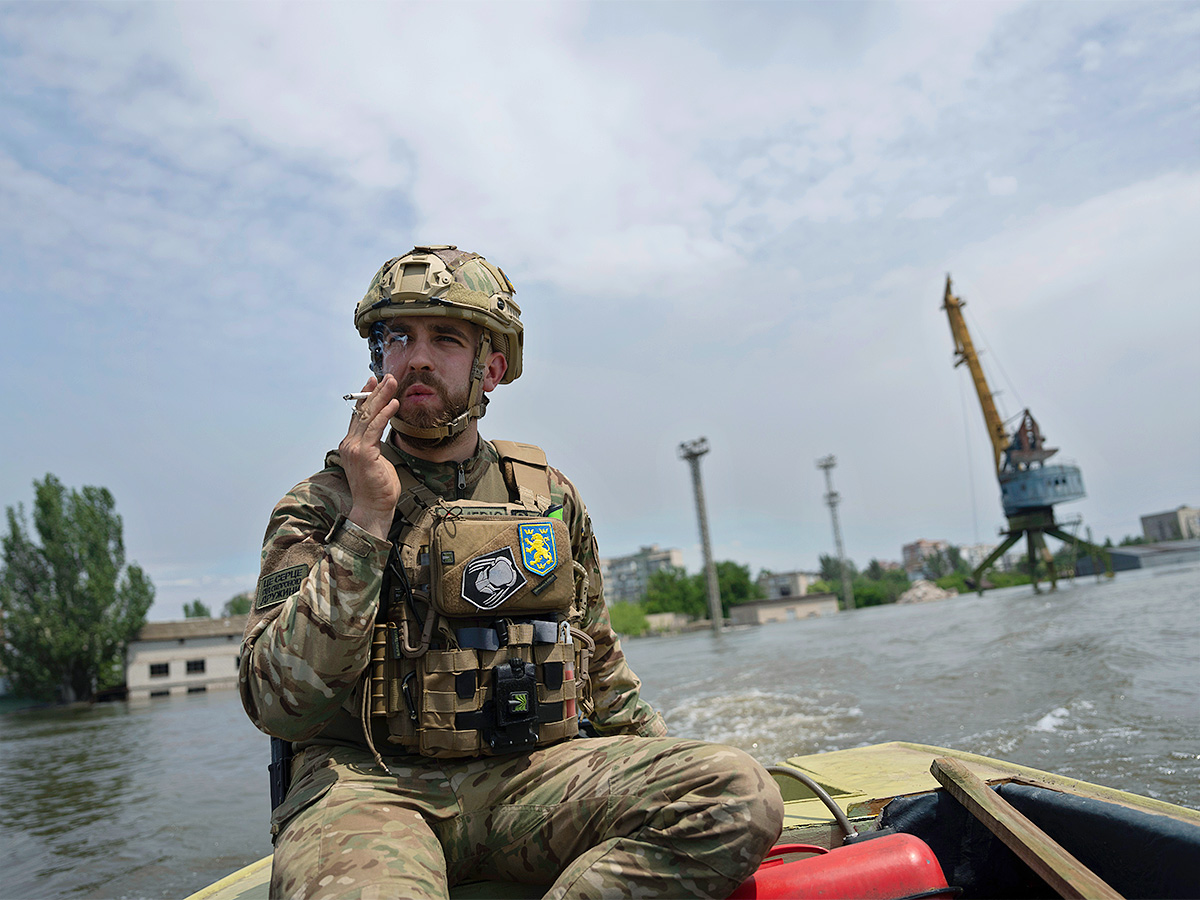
(964, 352)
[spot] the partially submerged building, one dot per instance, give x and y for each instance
(1144, 556)
(785, 584)
(186, 657)
(782, 609)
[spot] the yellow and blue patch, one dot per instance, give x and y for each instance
(537, 547)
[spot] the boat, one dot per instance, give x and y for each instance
(906, 820)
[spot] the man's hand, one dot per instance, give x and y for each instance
(374, 484)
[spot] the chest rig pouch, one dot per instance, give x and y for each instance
(475, 654)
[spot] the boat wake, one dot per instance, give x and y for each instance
(770, 726)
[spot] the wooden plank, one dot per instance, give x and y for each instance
(1062, 871)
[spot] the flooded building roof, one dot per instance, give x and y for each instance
(192, 628)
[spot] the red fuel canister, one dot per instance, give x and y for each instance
(882, 868)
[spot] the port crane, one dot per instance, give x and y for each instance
(1029, 487)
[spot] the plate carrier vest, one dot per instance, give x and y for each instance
(474, 650)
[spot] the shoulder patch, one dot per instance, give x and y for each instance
(278, 586)
(538, 553)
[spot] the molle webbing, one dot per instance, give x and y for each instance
(483, 677)
(532, 631)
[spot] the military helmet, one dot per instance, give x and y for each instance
(441, 280)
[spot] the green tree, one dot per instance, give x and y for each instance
(196, 610)
(69, 603)
(673, 590)
(936, 566)
(734, 585)
(628, 619)
(237, 605)
(831, 569)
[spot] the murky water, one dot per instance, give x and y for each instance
(1099, 681)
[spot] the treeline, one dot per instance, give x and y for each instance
(237, 605)
(69, 603)
(673, 590)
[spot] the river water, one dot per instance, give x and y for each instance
(1100, 681)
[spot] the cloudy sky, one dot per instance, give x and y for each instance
(728, 220)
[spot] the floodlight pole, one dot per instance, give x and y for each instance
(692, 451)
(832, 498)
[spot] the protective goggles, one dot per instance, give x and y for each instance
(380, 339)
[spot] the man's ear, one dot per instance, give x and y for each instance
(493, 374)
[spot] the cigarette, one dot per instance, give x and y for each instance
(356, 396)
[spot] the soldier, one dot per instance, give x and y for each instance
(430, 633)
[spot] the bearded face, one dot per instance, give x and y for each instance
(427, 402)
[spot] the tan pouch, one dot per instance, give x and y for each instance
(500, 565)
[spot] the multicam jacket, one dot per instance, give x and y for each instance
(307, 640)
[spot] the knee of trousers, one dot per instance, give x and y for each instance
(734, 812)
(753, 800)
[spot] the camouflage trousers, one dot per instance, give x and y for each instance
(594, 817)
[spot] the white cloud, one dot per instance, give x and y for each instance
(708, 236)
(929, 207)
(1000, 185)
(1091, 55)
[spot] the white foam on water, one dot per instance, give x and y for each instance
(1053, 720)
(768, 725)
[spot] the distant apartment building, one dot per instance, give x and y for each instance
(626, 577)
(974, 555)
(170, 659)
(785, 584)
(1177, 525)
(916, 553)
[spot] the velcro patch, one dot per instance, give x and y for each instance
(278, 586)
(490, 579)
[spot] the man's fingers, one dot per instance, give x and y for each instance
(367, 410)
(374, 425)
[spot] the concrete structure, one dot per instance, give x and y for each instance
(784, 609)
(1145, 556)
(785, 584)
(917, 552)
(187, 657)
(1177, 525)
(667, 621)
(626, 577)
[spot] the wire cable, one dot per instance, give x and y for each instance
(977, 331)
(962, 396)
(821, 793)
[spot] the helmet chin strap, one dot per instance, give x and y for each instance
(476, 403)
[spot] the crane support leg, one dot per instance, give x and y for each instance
(977, 575)
(1093, 550)
(1031, 556)
(1048, 557)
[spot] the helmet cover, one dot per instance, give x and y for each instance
(441, 280)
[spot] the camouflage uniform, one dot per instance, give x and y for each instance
(631, 812)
